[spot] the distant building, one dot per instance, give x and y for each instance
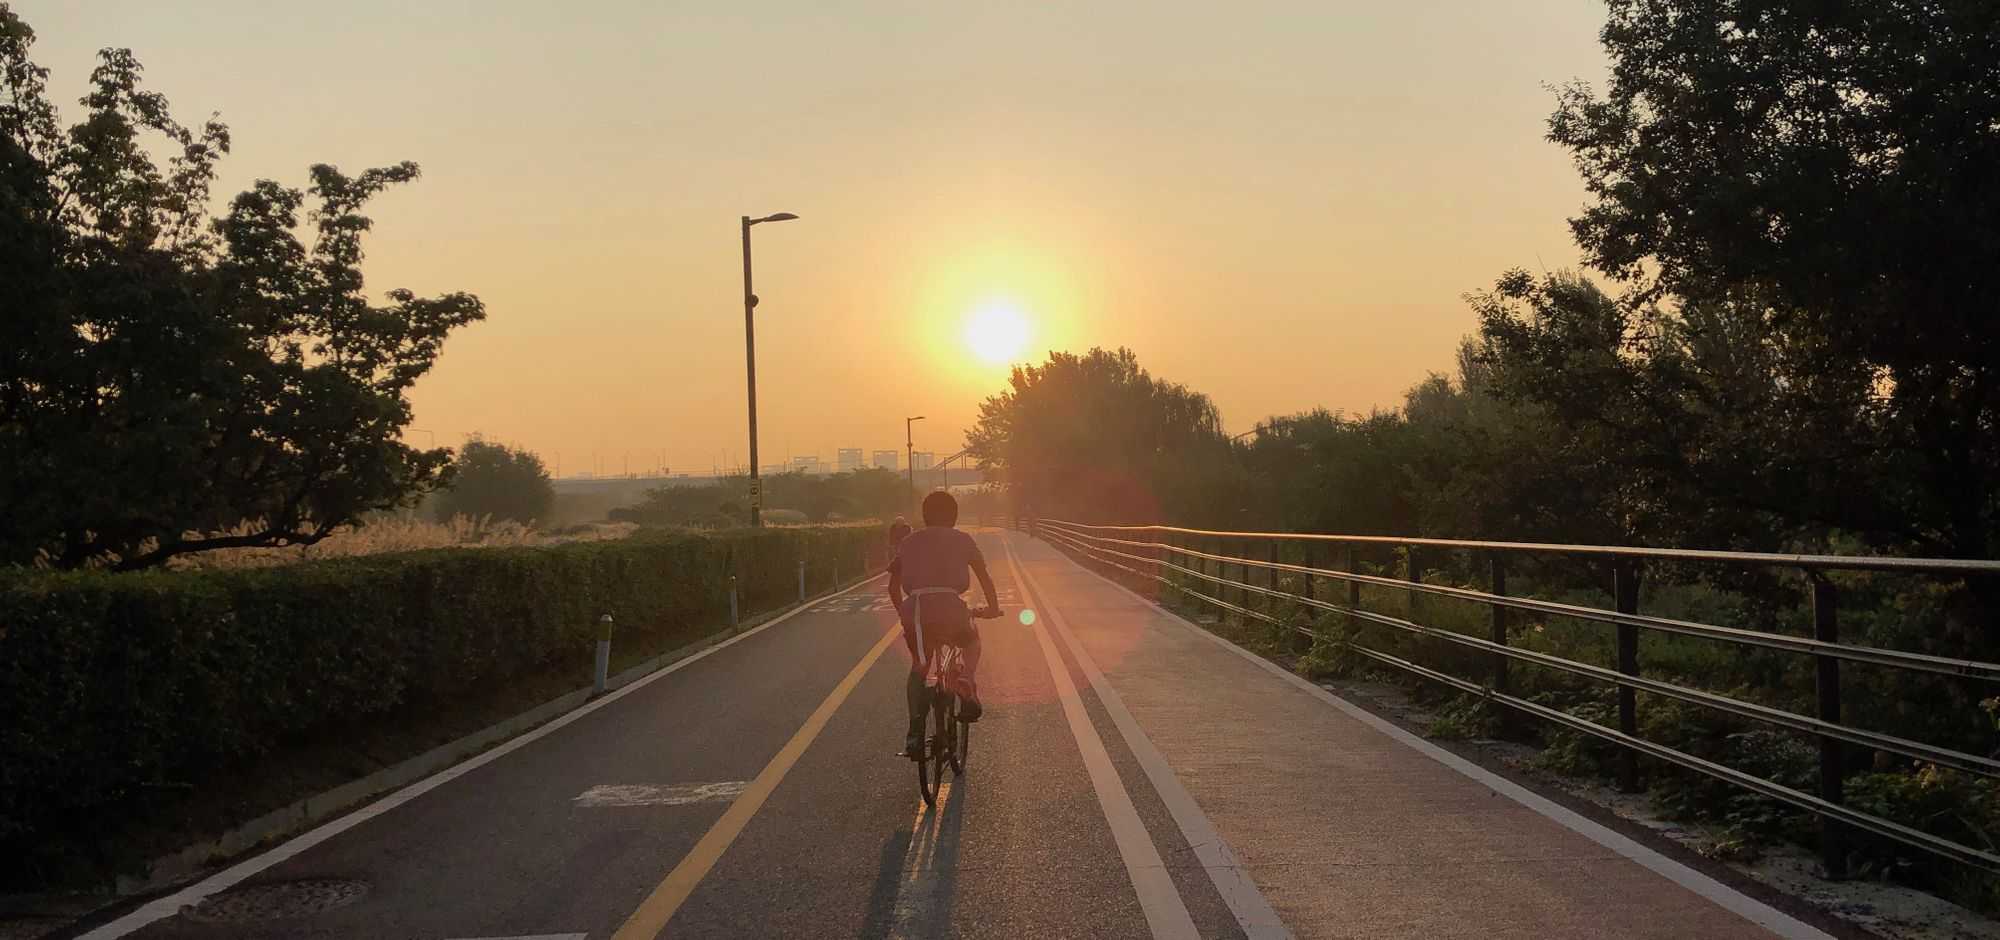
(922, 460)
(809, 464)
(849, 459)
(887, 459)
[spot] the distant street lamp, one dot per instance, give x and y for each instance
(910, 449)
(750, 362)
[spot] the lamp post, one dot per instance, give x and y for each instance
(910, 455)
(750, 362)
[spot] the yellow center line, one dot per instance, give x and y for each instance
(659, 907)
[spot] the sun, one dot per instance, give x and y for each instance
(996, 332)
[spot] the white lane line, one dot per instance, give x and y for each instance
(1231, 879)
(162, 908)
(1730, 899)
(659, 794)
(1166, 914)
(538, 936)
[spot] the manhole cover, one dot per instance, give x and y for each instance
(280, 899)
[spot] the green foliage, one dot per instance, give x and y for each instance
(1330, 657)
(1830, 171)
(165, 375)
(120, 687)
(1465, 717)
(1941, 802)
(497, 481)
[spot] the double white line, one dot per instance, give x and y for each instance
(1166, 914)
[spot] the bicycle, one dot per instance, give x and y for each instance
(951, 739)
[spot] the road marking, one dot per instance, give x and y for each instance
(162, 908)
(659, 907)
(538, 936)
(656, 794)
(1730, 899)
(1166, 913)
(1232, 880)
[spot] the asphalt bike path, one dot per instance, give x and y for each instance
(573, 834)
(1133, 776)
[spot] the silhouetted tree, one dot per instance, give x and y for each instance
(1094, 437)
(495, 480)
(165, 376)
(1825, 176)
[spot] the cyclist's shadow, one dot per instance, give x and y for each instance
(919, 873)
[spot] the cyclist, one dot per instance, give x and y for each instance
(933, 568)
(898, 531)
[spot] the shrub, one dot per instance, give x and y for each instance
(116, 686)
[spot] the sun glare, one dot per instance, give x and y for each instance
(997, 333)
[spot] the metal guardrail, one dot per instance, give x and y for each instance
(1162, 552)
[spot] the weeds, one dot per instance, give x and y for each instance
(402, 534)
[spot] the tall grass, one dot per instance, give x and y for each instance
(400, 534)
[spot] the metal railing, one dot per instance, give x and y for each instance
(1185, 560)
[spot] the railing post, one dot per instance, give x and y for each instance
(732, 602)
(1313, 593)
(1826, 629)
(1413, 573)
(1498, 631)
(1625, 587)
(802, 580)
(1242, 550)
(1498, 634)
(1308, 555)
(1272, 581)
(1354, 587)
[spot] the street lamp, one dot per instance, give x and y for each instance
(910, 452)
(750, 362)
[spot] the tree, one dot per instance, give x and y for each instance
(166, 376)
(495, 480)
(1827, 175)
(1094, 437)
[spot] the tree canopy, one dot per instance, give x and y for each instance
(166, 375)
(1097, 437)
(1819, 183)
(497, 481)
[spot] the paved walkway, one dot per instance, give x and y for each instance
(1135, 777)
(1350, 827)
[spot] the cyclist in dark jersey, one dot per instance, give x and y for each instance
(933, 568)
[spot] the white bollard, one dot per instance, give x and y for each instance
(602, 674)
(802, 580)
(732, 602)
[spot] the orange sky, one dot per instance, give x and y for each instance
(1278, 203)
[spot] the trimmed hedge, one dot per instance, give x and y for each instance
(116, 685)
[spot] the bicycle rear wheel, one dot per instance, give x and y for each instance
(963, 745)
(948, 731)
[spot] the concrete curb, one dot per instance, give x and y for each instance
(176, 868)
